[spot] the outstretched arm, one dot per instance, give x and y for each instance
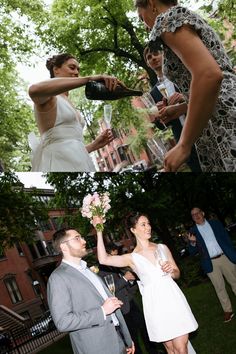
(41, 92)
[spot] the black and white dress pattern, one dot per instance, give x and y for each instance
(216, 146)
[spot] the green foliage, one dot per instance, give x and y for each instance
(223, 19)
(19, 212)
(16, 43)
(166, 198)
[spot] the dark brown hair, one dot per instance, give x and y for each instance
(59, 236)
(144, 3)
(132, 219)
(148, 50)
(58, 61)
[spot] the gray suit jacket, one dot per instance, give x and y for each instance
(75, 305)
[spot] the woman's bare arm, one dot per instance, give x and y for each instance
(41, 92)
(204, 89)
(115, 261)
(171, 266)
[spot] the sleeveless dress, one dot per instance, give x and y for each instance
(61, 148)
(216, 146)
(166, 310)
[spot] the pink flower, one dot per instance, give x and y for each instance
(96, 205)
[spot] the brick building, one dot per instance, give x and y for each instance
(117, 155)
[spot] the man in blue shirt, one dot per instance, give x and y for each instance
(217, 255)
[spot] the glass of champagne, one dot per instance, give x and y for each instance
(150, 104)
(109, 280)
(161, 259)
(107, 109)
(163, 90)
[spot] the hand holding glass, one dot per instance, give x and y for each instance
(160, 258)
(109, 280)
(107, 114)
(149, 103)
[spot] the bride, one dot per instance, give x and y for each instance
(168, 316)
(61, 146)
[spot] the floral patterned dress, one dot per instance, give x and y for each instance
(216, 146)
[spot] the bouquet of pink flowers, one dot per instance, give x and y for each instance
(96, 205)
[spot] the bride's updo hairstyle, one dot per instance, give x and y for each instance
(57, 61)
(131, 221)
(144, 3)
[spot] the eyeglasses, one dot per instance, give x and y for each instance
(197, 213)
(77, 238)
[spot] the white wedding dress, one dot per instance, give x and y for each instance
(166, 310)
(61, 148)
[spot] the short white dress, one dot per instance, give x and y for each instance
(61, 148)
(166, 310)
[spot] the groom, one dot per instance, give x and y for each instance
(81, 304)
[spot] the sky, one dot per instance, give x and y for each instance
(33, 179)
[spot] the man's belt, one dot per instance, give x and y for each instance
(219, 255)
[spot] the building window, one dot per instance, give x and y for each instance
(57, 222)
(45, 225)
(113, 158)
(19, 249)
(40, 248)
(50, 248)
(33, 251)
(108, 164)
(13, 290)
(2, 255)
(122, 153)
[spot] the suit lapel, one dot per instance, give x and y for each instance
(84, 279)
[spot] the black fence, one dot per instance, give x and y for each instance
(29, 338)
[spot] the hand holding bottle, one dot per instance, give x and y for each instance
(108, 88)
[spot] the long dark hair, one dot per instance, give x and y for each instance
(58, 61)
(144, 3)
(131, 221)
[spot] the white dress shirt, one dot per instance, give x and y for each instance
(208, 236)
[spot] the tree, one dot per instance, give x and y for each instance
(166, 198)
(19, 212)
(16, 43)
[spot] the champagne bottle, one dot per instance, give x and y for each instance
(96, 90)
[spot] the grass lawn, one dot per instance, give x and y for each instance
(213, 336)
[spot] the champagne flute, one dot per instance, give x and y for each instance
(107, 115)
(109, 280)
(160, 257)
(163, 90)
(149, 103)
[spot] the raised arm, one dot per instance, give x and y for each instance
(115, 261)
(41, 92)
(206, 80)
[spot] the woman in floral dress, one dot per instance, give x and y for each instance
(195, 60)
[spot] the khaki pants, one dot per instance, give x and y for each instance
(223, 268)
